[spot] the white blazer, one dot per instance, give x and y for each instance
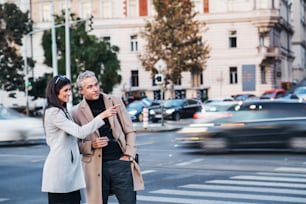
(62, 170)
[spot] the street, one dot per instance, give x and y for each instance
(174, 175)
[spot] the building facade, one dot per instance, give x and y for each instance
(255, 44)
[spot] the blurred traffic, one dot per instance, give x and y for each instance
(252, 125)
(16, 127)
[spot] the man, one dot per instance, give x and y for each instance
(109, 153)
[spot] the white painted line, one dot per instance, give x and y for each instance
(290, 169)
(268, 178)
(147, 172)
(184, 200)
(4, 199)
(244, 188)
(281, 174)
(258, 183)
(189, 162)
(231, 195)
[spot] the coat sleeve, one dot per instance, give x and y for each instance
(60, 120)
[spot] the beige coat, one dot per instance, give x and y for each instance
(92, 160)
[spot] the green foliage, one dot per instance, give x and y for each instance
(14, 24)
(175, 36)
(87, 53)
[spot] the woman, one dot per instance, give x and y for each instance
(62, 174)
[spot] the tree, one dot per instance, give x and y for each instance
(14, 24)
(174, 36)
(87, 52)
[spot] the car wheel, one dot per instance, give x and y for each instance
(140, 117)
(298, 143)
(176, 116)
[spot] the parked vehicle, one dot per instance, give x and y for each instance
(16, 127)
(218, 100)
(175, 109)
(135, 108)
(243, 97)
(273, 94)
(300, 93)
(255, 125)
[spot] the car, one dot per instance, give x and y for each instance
(244, 96)
(218, 100)
(300, 92)
(273, 94)
(135, 108)
(215, 110)
(175, 109)
(17, 127)
(255, 125)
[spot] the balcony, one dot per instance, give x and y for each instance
(269, 54)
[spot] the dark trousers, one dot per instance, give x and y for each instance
(65, 198)
(117, 179)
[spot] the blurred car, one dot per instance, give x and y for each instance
(218, 100)
(255, 125)
(18, 127)
(300, 93)
(273, 94)
(175, 109)
(216, 110)
(243, 97)
(135, 108)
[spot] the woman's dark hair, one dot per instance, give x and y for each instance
(53, 88)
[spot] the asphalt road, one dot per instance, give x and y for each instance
(174, 175)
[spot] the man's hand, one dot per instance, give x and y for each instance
(99, 142)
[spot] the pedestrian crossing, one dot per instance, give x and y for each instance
(282, 186)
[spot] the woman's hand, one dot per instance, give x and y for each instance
(109, 112)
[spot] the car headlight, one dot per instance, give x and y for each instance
(170, 111)
(189, 130)
(152, 112)
(132, 112)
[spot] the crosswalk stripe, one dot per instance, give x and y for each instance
(147, 172)
(189, 162)
(291, 169)
(231, 195)
(244, 188)
(184, 200)
(4, 199)
(257, 183)
(281, 174)
(267, 178)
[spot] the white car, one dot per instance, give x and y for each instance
(17, 127)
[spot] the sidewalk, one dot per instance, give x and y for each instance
(157, 127)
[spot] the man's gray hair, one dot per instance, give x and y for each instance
(82, 76)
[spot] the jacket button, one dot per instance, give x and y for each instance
(98, 174)
(99, 155)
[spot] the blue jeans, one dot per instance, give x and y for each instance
(117, 179)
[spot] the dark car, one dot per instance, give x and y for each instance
(255, 125)
(175, 109)
(135, 108)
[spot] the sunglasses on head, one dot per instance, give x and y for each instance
(60, 77)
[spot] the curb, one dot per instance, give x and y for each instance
(158, 129)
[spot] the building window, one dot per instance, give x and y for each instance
(107, 40)
(106, 9)
(233, 76)
(263, 74)
(197, 79)
(85, 10)
(45, 12)
(132, 8)
(302, 11)
(206, 6)
(178, 82)
(233, 39)
(134, 78)
(134, 43)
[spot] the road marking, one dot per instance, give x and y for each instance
(231, 195)
(147, 172)
(184, 200)
(290, 169)
(281, 174)
(244, 188)
(267, 178)
(189, 162)
(4, 199)
(257, 183)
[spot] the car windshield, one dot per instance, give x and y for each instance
(300, 91)
(172, 103)
(7, 113)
